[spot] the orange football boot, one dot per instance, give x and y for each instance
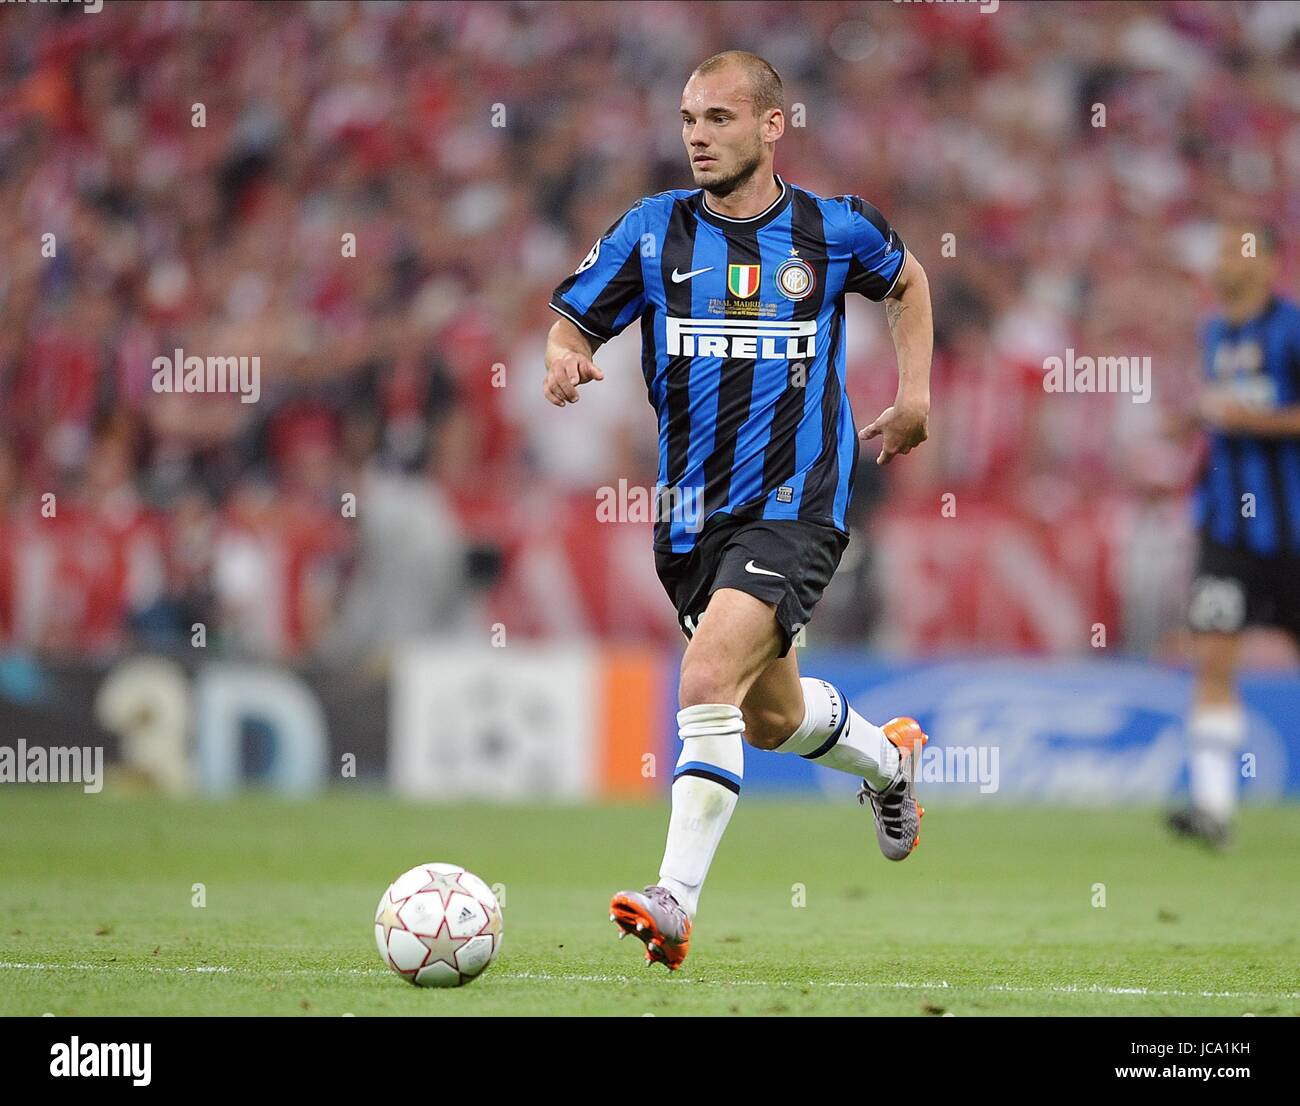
(895, 808)
(656, 917)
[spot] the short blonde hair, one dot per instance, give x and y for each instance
(765, 88)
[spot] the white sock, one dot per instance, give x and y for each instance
(706, 785)
(1215, 733)
(836, 735)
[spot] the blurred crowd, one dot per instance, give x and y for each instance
(1055, 166)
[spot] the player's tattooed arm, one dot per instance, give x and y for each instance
(904, 425)
(569, 363)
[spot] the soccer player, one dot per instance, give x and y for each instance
(739, 285)
(1247, 510)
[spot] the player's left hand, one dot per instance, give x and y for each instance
(901, 429)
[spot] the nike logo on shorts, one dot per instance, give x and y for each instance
(751, 567)
(679, 277)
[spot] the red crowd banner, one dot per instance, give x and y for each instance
(74, 584)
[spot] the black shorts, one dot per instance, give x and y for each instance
(783, 561)
(1235, 588)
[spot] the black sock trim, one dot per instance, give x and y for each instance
(826, 746)
(722, 781)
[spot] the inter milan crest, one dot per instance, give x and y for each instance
(795, 279)
(742, 280)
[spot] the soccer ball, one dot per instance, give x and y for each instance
(438, 926)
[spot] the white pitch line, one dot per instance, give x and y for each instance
(110, 966)
(553, 977)
(907, 985)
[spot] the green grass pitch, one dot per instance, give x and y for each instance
(993, 914)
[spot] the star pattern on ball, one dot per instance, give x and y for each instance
(388, 917)
(442, 946)
(445, 884)
(493, 924)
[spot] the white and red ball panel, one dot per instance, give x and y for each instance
(422, 913)
(465, 916)
(478, 888)
(408, 883)
(476, 955)
(438, 974)
(438, 925)
(406, 952)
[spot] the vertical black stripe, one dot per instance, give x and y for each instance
(678, 249)
(808, 236)
(859, 278)
(1212, 505)
(622, 288)
(1277, 488)
(819, 487)
(649, 348)
(1233, 506)
(1290, 539)
(735, 382)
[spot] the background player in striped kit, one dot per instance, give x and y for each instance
(1247, 511)
(739, 286)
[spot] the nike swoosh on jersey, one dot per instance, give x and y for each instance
(751, 567)
(679, 277)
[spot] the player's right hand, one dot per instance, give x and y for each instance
(564, 372)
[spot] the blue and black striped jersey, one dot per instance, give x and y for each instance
(1259, 362)
(742, 332)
